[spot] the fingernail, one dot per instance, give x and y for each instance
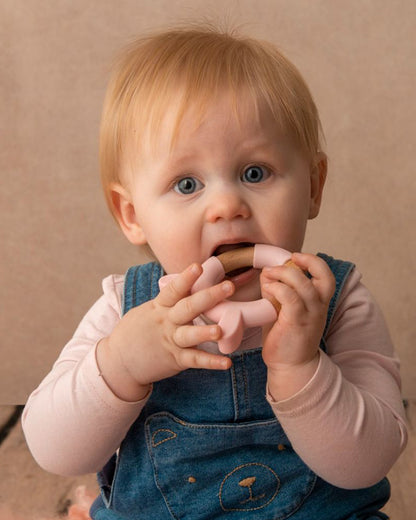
(227, 287)
(224, 363)
(194, 268)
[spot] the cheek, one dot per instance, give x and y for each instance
(285, 220)
(290, 211)
(172, 245)
(298, 204)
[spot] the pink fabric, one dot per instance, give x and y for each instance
(347, 423)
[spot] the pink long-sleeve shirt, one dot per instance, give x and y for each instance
(347, 423)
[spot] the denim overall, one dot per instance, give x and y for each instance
(207, 445)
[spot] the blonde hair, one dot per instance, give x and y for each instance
(189, 66)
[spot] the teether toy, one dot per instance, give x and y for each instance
(234, 316)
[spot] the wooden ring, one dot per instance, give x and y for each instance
(243, 257)
(237, 258)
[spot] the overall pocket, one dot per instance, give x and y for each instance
(209, 471)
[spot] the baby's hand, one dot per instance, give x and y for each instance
(157, 339)
(291, 344)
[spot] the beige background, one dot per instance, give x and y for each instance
(57, 240)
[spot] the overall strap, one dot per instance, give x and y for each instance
(141, 284)
(341, 270)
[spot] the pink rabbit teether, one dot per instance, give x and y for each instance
(234, 316)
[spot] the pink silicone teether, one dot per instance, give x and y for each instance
(233, 316)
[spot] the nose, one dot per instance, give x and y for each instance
(226, 204)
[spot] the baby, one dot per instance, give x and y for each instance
(210, 142)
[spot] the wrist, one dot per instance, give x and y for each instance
(116, 375)
(284, 381)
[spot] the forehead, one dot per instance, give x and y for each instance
(210, 133)
(181, 117)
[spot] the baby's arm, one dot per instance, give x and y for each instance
(76, 419)
(347, 422)
(73, 423)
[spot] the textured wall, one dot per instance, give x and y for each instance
(57, 240)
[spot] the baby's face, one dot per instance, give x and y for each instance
(225, 182)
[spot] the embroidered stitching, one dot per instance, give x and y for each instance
(170, 438)
(248, 483)
(246, 393)
(219, 426)
(235, 393)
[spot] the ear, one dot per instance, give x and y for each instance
(318, 177)
(125, 214)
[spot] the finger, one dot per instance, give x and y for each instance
(299, 282)
(191, 335)
(192, 306)
(292, 304)
(180, 286)
(321, 275)
(194, 358)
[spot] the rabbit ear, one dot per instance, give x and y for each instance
(232, 326)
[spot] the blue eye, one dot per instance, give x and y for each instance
(254, 174)
(187, 186)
